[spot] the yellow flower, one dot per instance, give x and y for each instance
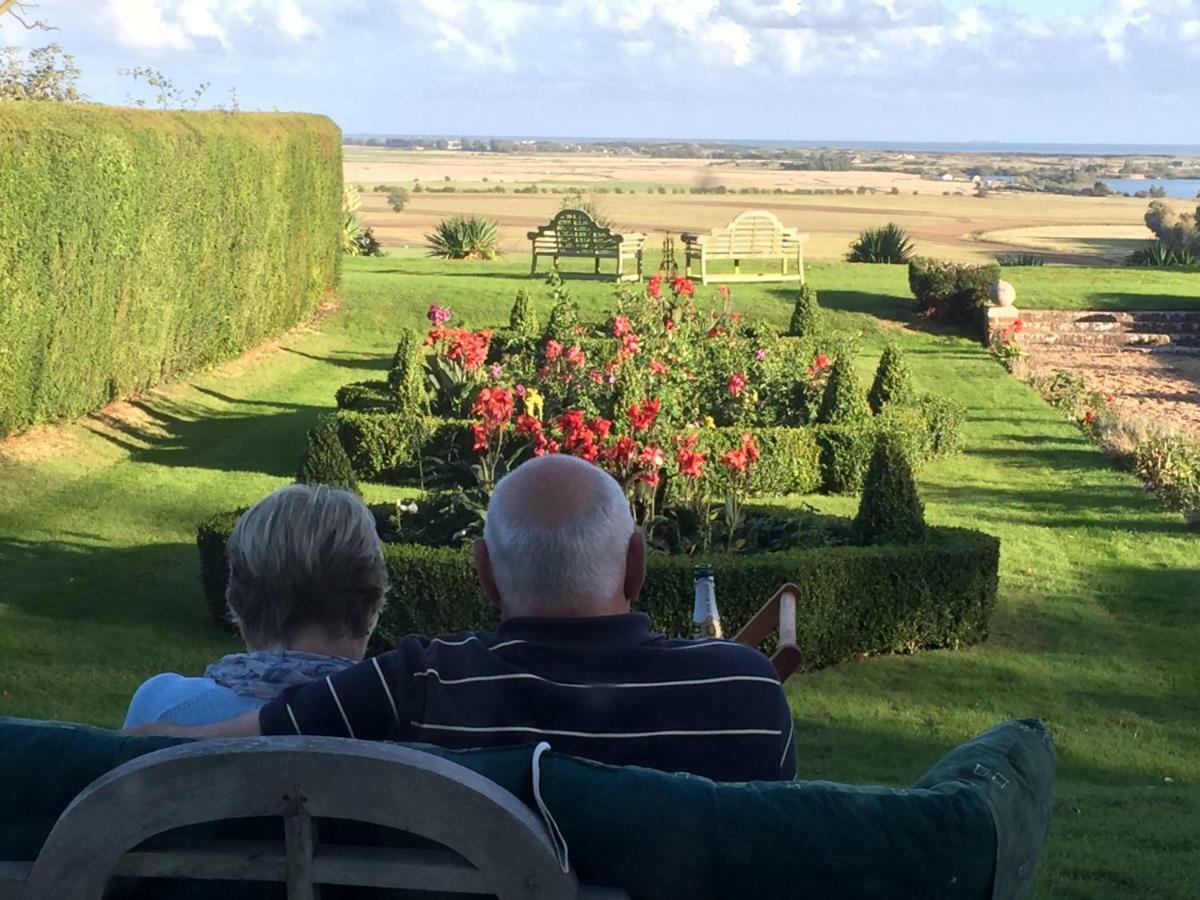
(534, 402)
(710, 422)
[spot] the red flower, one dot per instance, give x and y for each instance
(690, 461)
(597, 376)
(1089, 417)
(654, 287)
(622, 451)
(1109, 398)
(668, 323)
(723, 290)
(630, 345)
(571, 421)
(684, 286)
(641, 418)
(620, 325)
(529, 425)
(736, 383)
(553, 350)
(601, 426)
(650, 479)
(715, 331)
(735, 459)
(495, 405)
(1018, 326)
(480, 433)
(544, 445)
(576, 357)
(658, 368)
(653, 456)
(468, 347)
(750, 448)
(820, 364)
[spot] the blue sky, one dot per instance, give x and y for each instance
(1005, 70)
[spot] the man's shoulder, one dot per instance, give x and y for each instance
(160, 694)
(715, 654)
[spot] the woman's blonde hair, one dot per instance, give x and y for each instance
(304, 555)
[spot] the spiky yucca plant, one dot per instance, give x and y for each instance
(1158, 254)
(464, 237)
(889, 244)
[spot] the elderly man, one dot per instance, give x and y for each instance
(569, 664)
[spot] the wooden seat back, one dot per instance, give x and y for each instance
(756, 233)
(494, 844)
(574, 231)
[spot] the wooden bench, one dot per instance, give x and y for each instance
(495, 845)
(575, 234)
(755, 234)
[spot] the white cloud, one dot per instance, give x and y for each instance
(143, 25)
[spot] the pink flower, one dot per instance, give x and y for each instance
(438, 314)
(553, 349)
(630, 345)
(495, 370)
(723, 290)
(760, 355)
(620, 326)
(654, 288)
(519, 390)
(658, 368)
(576, 357)
(736, 383)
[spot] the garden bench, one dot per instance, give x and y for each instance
(575, 234)
(754, 234)
(496, 845)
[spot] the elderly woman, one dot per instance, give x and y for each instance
(306, 585)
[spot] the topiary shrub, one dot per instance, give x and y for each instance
(325, 460)
(843, 402)
(523, 319)
(845, 455)
(944, 420)
(893, 380)
(366, 396)
(564, 313)
(806, 314)
(890, 510)
(406, 379)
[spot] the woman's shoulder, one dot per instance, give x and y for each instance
(183, 700)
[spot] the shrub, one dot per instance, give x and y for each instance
(843, 402)
(397, 199)
(889, 244)
(806, 314)
(365, 244)
(953, 291)
(856, 600)
(893, 380)
(406, 380)
(464, 237)
(1013, 260)
(377, 444)
(523, 319)
(890, 511)
(1169, 464)
(1157, 254)
(944, 420)
(790, 461)
(564, 311)
(366, 396)
(138, 245)
(325, 460)
(845, 455)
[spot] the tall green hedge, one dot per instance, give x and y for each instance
(137, 244)
(938, 592)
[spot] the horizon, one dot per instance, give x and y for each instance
(1077, 72)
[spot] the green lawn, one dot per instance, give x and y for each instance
(1097, 630)
(1084, 287)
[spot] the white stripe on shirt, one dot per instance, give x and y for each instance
(387, 690)
(338, 701)
(637, 684)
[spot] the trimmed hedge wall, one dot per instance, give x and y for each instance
(137, 244)
(886, 599)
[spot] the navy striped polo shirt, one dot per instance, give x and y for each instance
(605, 688)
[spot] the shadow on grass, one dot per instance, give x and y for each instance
(368, 362)
(170, 434)
(425, 273)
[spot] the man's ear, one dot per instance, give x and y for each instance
(483, 568)
(635, 565)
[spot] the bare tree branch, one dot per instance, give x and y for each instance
(18, 9)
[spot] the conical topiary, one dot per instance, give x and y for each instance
(893, 380)
(564, 313)
(523, 318)
(843, 402)
(806, 314)
(325, 460)
(891, 510)
(406, 380)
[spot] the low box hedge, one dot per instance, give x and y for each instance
(954, 291)
(854, 600)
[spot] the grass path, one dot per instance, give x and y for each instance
(1097, 630)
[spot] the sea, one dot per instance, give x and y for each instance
(1185, 188)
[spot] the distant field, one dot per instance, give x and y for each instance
(1063, 229)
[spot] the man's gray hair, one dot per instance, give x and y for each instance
(304, 555)
(557, 532)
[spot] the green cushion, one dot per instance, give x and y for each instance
(972, 827)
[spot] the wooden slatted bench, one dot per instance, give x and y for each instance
(493, 844)
(754, 234)
(575, 234)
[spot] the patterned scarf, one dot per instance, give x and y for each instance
(264, 673)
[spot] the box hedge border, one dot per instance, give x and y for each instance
(137, 244)
(854, 600)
